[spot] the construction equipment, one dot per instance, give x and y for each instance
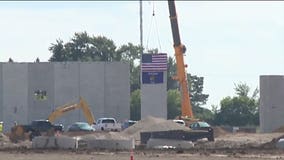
(23, 132)
(186, 108)
(59, 111)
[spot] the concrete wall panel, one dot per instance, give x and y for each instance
(41, 77)
(15, 94)
(154, 99)
(1, 93)
(66, 89)
(117, 91)
(271, 102)
(92, 84)
(105, 86)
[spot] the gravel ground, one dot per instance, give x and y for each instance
(245, 146)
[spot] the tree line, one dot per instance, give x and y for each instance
(241, 109)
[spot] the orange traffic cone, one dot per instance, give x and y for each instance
(131, 155)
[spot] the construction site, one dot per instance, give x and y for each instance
(58, 110)
(127, 145)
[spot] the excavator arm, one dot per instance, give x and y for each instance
(186, 108)
(59, 111)
(18, 132)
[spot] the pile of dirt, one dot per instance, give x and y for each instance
(152, 124)
(4, 138)
(272, 143)
(280, 129)
(218, 131)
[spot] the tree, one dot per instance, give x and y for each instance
(82, 47)
(239, 110)
(135, 105)
(171, 83)
(10, 60)
(131, 53)
(173, 103)
(197, 97)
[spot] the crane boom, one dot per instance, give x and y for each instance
(186, 108)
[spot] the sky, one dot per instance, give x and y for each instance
(228, 42)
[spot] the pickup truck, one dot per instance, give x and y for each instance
(38, 127)
(107, 124)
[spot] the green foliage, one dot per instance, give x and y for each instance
(242, 89)
(171, 83)
(131, 54)
(239, 110)
(82, 47)
(196, 91)
(198, 98)
(173, 103)
(135, 105)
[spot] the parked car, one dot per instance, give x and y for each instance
(107, 124)
(200, 125)
(80, 126)
(128, 123)
(39, 127)
(179, 121)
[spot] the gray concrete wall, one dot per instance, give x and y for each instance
(117, 91)
(15, 94)
(105, 86)
(271, 102)
(66, 89)
(92, 87)
(1, 93)
(40, 77)
(154, 99)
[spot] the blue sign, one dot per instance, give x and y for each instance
(152, 77)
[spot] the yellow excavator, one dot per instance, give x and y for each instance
(59, 111)
(46, 127)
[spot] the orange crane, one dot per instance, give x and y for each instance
(186, 108)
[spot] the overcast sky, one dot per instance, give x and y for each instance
(227, 42)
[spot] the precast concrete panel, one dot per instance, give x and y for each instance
(154, 99)
(117, 90)
(66, 89)
(92, 87)
(1, 93)
(15, 93)
(271, 102)
(41, 79)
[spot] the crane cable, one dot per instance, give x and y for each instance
(155, 21)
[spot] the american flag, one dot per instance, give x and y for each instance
(154, 62)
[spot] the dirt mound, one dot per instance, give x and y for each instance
(219, 131)
(4, 138)
(280, 129)
(152, 124)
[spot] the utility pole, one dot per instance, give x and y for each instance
(141, 26)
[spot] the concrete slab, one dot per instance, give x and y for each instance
(121, 144)
(169, 143)
(62, 142)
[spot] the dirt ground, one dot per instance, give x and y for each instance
(245, 146)
(227, 146)
(138, 155)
